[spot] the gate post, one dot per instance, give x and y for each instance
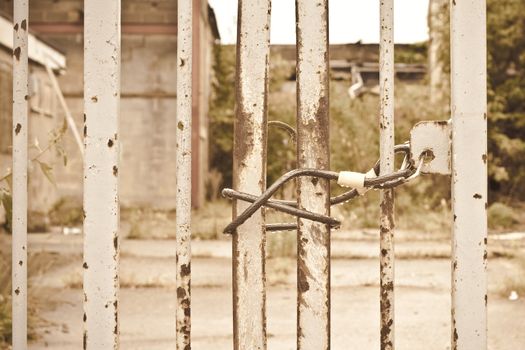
(313, 151)
(101, 202)
(386, 150)
(20, 132)
(469, 174)
(249, 173)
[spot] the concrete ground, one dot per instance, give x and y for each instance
(147, 307)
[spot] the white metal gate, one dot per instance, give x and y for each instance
(101, 202)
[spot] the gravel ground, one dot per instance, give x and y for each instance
(147, 304)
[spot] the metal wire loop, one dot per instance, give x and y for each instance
(407, 172)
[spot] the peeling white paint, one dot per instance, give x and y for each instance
(250, 173)
(101, 202)
(20, 131)
(469, 174)
(313, 308)
(183, 199)
(386, 149)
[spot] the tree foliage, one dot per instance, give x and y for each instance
(506, 69)
(354, 141)
(506, 95)
(222, 112)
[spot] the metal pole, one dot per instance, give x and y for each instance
(249, 241)
(386, 149)
(101, 202)
(469, 174)
(183, 200)
(20, 132)
(313, 151)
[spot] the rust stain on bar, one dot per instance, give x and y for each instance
(101, 203)
(184, 173)
(313, 240)
(249, 241)
(387, 223)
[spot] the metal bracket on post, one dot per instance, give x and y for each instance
(427, 152)
(432, 139)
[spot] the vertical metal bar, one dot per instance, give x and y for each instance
(313, 151)
(101, 202)
(183, 200)
(20, 134)
(386, 149)
(249, 241)
(469, 175)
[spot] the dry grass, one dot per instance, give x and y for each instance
(75, 281)
(207, 222)
(5, 291)
(37, 266)
(514, 281)
(281, 271)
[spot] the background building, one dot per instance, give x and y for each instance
(148, 104)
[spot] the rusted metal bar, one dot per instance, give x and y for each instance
(183, 200)
(386, 149)
(249, 240)
(313, 238)
(469, 174)
(101, 171)
(20, 131)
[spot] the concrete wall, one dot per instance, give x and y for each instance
(148, 106)
(147, 123)
(71, 11)
(203, 42)
(44, 118)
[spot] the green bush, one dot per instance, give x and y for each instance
(5, 322)
(501, 216)
(5, 291)
(506, 97)
(354, 140)
(66, 212)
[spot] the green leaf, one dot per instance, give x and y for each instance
(63, 128)
(61, 152)
(9, 180)
(7, 202)
(36, 144)
(48, 171)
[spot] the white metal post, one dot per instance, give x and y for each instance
(20, 134)
(313, 151)
(183, 200)
(101, 171)
(386, 149)
(469, 174)
(249, 240)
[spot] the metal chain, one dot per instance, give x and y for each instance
(408, 171)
